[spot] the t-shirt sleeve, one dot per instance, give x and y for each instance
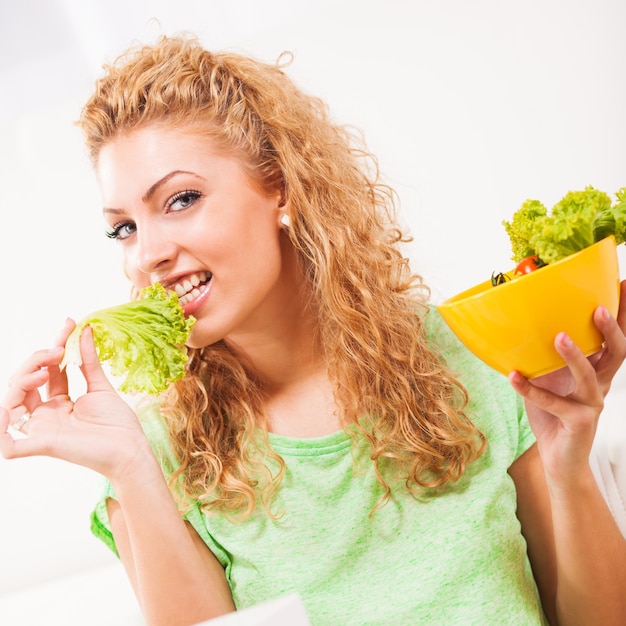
(100, 524)
(526, 436)
(155, 429)
(152, 424)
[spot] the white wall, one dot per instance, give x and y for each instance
(472, 106)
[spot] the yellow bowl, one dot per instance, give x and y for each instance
(513, 326)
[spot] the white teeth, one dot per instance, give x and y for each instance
(188, 289)
(188, 297)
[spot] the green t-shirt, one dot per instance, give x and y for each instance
(454, 559)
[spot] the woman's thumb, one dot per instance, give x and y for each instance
(91, 368)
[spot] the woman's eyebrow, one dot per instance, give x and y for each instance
(110, 211)
(153, 188)
(163, 180)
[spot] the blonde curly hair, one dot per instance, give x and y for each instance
(368, 303)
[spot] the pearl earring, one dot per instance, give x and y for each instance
(285, 220)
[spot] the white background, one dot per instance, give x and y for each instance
(471, 105)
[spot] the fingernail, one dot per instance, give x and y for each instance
(565, 340)
(604, 313)
(514, 376)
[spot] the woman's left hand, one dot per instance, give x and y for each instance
(564, 406)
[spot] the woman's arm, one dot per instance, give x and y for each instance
(535, 516)
(577, 551)
(176, 580)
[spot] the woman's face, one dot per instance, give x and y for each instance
(193, 220)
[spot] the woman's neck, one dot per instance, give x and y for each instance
(290, 363)
(285, 353)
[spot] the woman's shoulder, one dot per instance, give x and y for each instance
(493, 405)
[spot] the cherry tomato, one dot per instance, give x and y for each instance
(529, 264)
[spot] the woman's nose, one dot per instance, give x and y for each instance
(154, 251)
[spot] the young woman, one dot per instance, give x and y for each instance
(331, 437)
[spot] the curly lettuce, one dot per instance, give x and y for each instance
(520, 229)
(612, 220)
(143, 341)
(578, 220)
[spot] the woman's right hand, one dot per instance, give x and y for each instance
(98, 430)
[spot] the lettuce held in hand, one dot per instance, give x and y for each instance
(143, 340)
(579, 220)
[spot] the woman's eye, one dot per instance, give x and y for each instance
(121, 231)
(183, 200)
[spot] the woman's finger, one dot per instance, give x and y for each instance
(581, 395)
(6, 439)
(91, 368)
(621, 314)
(57, 382)
(24, 385)
(614, 350)
(64, 333)
(586, 386)
(543, 397)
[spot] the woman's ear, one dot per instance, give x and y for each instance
(284, 218)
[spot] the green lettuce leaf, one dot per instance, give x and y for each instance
(143, 341)
(522, 226)
(612, 220)
(578, 220)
